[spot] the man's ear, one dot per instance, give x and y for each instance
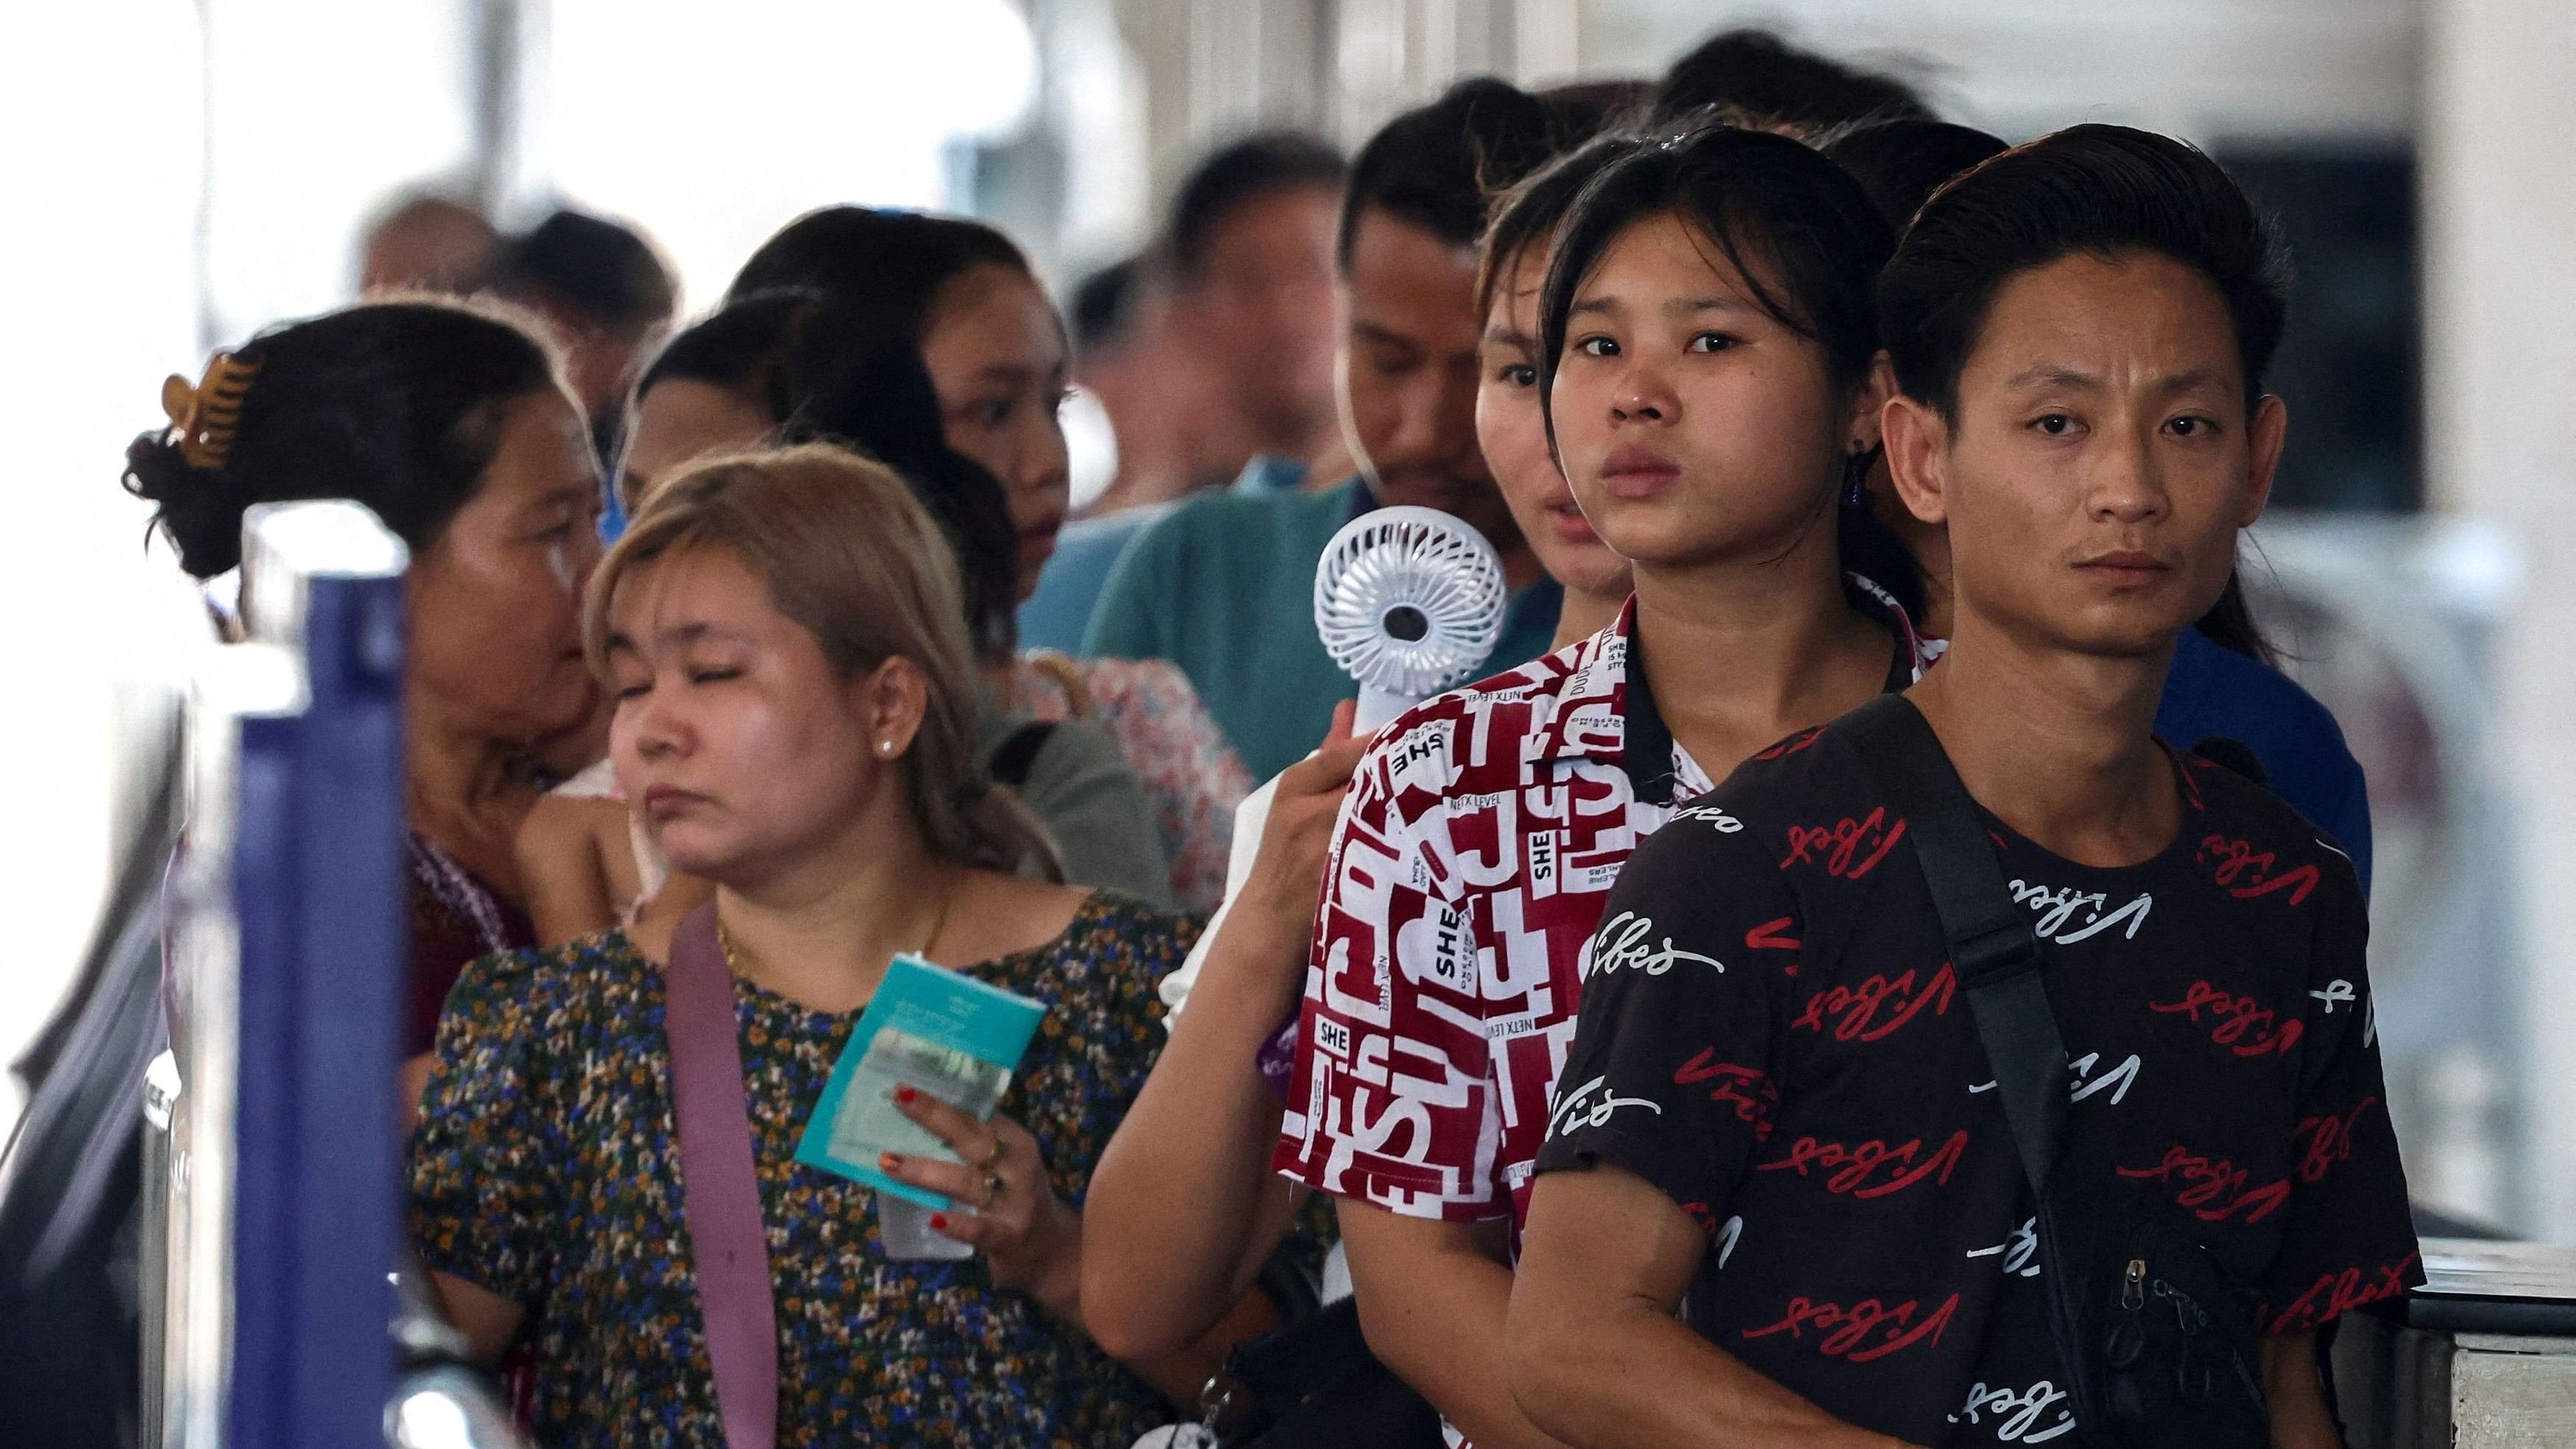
(1918, 455)
(2271, 430)
(1862, 432)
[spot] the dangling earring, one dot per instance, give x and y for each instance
(1856, 466)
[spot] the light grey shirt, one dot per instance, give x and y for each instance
(1091, 803)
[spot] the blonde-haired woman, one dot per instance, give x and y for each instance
(795, 719)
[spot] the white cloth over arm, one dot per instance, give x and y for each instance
(1249, 818)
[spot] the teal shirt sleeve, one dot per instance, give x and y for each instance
(1091, 802)
(1132, 618)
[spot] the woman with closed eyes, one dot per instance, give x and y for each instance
(794, 721)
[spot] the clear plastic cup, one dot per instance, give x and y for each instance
(904, 1226)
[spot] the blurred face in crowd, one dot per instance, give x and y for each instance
(1164, 403)
(1408, 369)
(1512, 431)
(429, 245)
(1258, 312)
(2103, 458)
(495, 602)
(741, 747)
(678, 420)
(996, 354)
(1694, 426)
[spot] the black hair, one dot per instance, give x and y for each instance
(889, 263)
(1577, 111)
(602, 272)
(1523, 214)
(2098, 191)
(1105, 305)
(2095, 190)
(1754, 72)
(1236, 174)
(813, 364)
(1433, 167)
(1526, 214)
(398, 405)
(1799, 231)
(1901, 163)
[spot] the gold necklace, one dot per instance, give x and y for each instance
(734, 955)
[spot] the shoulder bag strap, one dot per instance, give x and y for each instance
(1992, 946)
(728, 1243)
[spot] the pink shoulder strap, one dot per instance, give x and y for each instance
(728, 1244)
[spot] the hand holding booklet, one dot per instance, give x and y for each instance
(932, 1029)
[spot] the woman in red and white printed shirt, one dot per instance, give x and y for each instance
(1201, 1133)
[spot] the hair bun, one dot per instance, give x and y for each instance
(200, 512)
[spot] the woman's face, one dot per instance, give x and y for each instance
(1694, 426)
(995, 352)
(680, 420)
(1513, 433)
(496, 601)
(733, 735)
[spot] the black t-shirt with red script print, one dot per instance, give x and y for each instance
(1772, 1034)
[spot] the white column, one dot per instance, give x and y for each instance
(2499, 195)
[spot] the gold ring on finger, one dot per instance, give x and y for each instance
(993, 1186)
(993, 1158)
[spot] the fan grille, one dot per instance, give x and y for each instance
(1409, 600)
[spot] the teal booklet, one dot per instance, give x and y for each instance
(929, 1028)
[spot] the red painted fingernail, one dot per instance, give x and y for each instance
(890, 1160)
(905, 1093)
(939, 1222)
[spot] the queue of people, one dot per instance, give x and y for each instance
(1597, 1035)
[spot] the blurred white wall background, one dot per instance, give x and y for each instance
(1067, 121)
(2500, 333)
(98, 281)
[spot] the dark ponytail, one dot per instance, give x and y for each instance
(2230, 624)
(398, 405)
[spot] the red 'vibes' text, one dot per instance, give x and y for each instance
(2335, 1294)
(1749, 1090)
(2214, 1189)
(1865, 1331)
(1854, 1166)
(1855, 1009)
(2325, 1141)
(1850, 848)
(2245, 1026)
(2238, 859)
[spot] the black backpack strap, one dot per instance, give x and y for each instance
(1992, 946)
(1019, 753)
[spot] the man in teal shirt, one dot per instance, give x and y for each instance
(1223, 586)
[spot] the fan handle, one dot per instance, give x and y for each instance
(1377, 706)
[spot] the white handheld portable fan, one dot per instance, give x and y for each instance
(1408, 601)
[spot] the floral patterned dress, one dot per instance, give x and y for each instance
(1192, 776)
(546, 1169)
